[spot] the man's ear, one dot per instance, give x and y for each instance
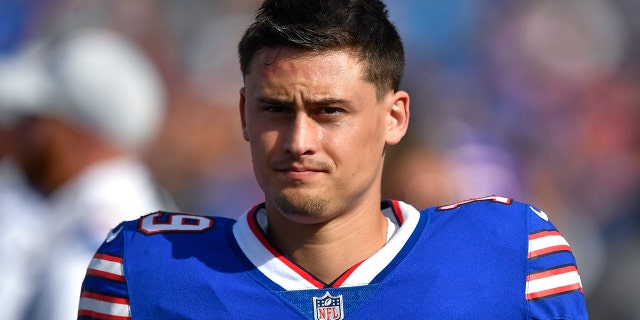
(398, 117)
(245, 134)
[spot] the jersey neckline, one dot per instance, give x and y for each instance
(285, 273)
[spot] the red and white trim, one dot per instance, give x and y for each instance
(546, 242)
(371, 267)
(290, 276)
(553, 282)
(103, 307)
(503, 200)
(106, 266)
(280, 261)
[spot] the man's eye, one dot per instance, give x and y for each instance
(276, 109)
(330, 111)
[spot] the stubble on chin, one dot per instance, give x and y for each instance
(299, 207)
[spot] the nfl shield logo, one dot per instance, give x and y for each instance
(328, 307)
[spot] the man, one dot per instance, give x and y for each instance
(319, 107)
(79, 111)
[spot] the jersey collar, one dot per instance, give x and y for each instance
(250, 236)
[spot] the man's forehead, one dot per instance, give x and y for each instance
(275, 56)
(289, 74)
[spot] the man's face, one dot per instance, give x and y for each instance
(317, 132)
(34, 148)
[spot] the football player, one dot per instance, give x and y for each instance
(320, 106)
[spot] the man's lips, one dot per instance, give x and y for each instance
(298, 169)
(298, 175)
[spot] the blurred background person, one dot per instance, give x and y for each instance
(79, 111)
(20, 204)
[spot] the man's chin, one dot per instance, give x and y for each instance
(300, 206)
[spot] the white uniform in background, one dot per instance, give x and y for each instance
(81, 214)
(21, 209)
(99, 81)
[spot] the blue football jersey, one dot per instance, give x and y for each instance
(489, 258)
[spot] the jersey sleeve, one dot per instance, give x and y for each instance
(104, 292)
(553, 286)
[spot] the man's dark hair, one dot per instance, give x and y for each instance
(362, 26)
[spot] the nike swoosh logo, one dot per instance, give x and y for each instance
(113, 234)
(540, 214)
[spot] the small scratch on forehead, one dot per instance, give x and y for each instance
(270, 56)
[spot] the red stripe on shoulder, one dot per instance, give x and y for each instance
(108, 257)
(106, 275)
(548, 250)
(105, 298)
(554, 291)
(544, 233)
(551, 272)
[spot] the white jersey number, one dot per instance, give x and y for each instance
(160, 222)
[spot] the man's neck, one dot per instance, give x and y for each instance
(328, 249)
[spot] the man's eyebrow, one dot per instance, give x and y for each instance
(273, 101)
(330, 102)
(319, 102)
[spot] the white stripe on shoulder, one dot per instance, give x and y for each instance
(106, 266)
(547, 242)
(103, 307)
(552, 282)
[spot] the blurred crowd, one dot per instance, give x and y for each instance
(535, 100)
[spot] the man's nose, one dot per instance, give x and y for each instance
(302, 136)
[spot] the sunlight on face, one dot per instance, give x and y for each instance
(317, 132)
